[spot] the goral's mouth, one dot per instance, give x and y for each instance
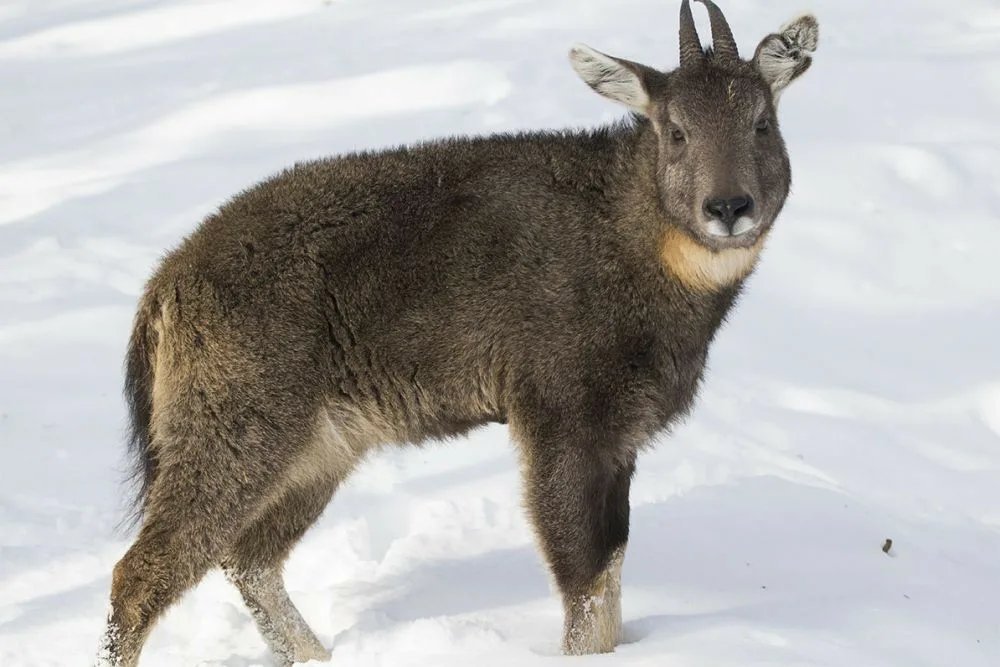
(742, 233)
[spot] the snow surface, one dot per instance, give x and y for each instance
(853, 397)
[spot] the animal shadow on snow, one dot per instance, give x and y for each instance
(710, 550)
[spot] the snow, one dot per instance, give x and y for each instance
(854, 395)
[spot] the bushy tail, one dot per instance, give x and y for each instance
(139, 399)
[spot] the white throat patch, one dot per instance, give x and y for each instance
(703, 269)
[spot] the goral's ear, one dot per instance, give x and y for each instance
(784, 56)
(620, 80)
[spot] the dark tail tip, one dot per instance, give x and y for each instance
(139, 402)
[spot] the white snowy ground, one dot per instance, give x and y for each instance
(854, 396)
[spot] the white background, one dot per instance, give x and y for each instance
(853, 396)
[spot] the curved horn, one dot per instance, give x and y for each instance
(690, 42)
(722, 36)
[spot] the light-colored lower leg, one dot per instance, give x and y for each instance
(286, 633)
(594, 620)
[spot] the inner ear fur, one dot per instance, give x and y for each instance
(784, 56)
(623, 81)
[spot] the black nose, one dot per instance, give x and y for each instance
(729, 210)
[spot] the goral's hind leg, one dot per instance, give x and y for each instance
(577, 497)
(287, 634)
(254, 567)
(194, 512)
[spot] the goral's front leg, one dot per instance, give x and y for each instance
(577, 498)
(594, 620)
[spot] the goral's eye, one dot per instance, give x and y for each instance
(677, 136)
(762, 126)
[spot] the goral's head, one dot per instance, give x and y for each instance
(721, 164)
